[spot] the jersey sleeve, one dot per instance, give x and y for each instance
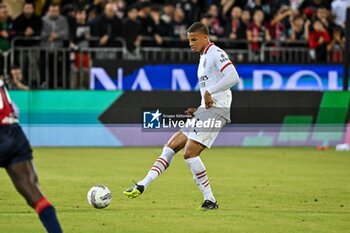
(221, 60)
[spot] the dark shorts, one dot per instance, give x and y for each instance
(14, 145)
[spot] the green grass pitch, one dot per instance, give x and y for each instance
(262, 190)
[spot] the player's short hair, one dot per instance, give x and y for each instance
(198, 27)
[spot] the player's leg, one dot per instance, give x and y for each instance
(25, 180)
(175, 143)
(191, 154)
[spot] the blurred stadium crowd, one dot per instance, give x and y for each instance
(248, 24)
(319, 22)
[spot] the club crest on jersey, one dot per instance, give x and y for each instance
(223, 58)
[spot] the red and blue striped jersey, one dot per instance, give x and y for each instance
(6, 109)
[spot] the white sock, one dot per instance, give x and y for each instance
(200, 176)
(162, 163)
(199, 184)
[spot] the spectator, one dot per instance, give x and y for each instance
(235, 28)
(143, 16)
(119, 8)
(42, 6)
(278, 26)
(108, 27)
(226, 7)
(54, 33)
(257, 33)
(337, 45)
(299, 29)
(159, 28)
(15, 82)
(98, 6)
(81, 30)
(55, 28)
(246, 17)
(339, 11)
(27, 25)
(254, 5)
(6, 32)
(318, 40)
(323, 15)
(91, 17)
(68, 11)
(79, 37)
(168, 13)
(309, 7)
(207, 20)
(180, 27)
(133, 37)
(191, 9)
(213, 11)
(6, 28)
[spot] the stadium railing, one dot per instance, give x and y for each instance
(68, 67)
(335, 55)
(4, 63)
(57, 68)
(176, 50)
(276, 51)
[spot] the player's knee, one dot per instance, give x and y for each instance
(192, 149)
(188, 156)
(190, 153)
(171, 146)
(177, 142)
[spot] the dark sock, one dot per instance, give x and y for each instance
(47, 215)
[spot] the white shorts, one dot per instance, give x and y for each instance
(205, 135)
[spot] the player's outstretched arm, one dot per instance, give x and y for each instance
(229, 79)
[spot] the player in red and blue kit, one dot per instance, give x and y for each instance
(16, 157)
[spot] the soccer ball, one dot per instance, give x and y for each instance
(99, 196)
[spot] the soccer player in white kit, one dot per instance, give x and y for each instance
(216, 75)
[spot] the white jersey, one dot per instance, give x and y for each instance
(212, 62)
